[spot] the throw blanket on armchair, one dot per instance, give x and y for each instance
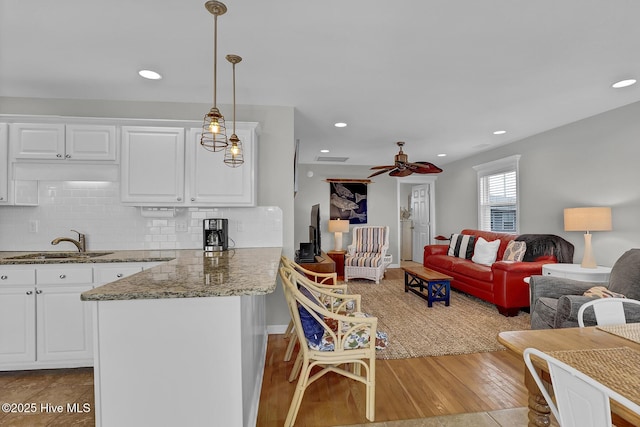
(546, 244)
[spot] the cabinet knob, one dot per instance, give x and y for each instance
(63, 276)
(58, 155)
(38, 291)
(29, 292)
(119, 275)
(193, 199)
(179, 199)
(3, 277)
(1, 198)
(68, 156)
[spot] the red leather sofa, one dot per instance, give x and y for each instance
(502, 283)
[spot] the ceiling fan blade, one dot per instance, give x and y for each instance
(380, 172)
(383, 167)
(424, 167)
(401, 172)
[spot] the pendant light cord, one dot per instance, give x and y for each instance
(215, 56)
(234, 98)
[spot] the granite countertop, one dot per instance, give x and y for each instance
(8, 258)
(194, 274)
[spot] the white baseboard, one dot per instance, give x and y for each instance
(276, 329)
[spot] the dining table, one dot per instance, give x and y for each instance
(609, 354)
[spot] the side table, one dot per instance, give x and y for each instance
(338, 258)
(576, 272)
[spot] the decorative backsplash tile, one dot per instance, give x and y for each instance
(94, 208)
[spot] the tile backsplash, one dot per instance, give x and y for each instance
(94, 208)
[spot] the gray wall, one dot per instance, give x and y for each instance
(275, 151)
(592, 162)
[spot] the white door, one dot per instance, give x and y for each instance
(420, 215)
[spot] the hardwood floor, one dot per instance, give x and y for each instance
(405, 389)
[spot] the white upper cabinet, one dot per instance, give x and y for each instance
(152, 165)
(211, 182)
(52, 141)
(4, 164)
(158, 169)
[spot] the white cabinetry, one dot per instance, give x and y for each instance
(152, 169)
(53, 141)
(17, 315)
(43, 322)
(211, 182)
(159, 169)
(4, 164)
(63, 321)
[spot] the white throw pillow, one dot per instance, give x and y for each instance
(485, 252)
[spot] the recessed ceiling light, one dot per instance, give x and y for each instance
(500, 132)
(623, 83)
(340, 125)
(148, 74)
(324, 151)
(442, 155)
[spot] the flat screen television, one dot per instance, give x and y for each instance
(314, 230)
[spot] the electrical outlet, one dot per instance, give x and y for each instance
(240, 226)
(34, 224)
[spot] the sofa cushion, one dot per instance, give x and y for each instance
(485, 252)
(461, 246)
(489, 236)
(475, 271)
(515, 251)
(625, 274)
(442, 261)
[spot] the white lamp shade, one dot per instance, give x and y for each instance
(338, 226)
(587, 219)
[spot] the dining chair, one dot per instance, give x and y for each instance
(327, 281)
(581, 401)
(329, 341)
(608, 311)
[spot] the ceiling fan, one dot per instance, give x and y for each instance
(403, 167)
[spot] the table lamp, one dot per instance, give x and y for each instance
(587, 219)
(338, 226)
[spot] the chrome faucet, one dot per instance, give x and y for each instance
(81, 243)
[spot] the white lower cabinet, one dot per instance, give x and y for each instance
(63, 325)
(17, 325)
(43, 322)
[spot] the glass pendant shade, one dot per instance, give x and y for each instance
(233, 155)
(214, 131)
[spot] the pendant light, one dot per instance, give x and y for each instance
(214, 133)
(233, 156)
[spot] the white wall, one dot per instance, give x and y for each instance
(592, 162)
(275, 183)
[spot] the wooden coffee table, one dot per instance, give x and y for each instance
(437, 285)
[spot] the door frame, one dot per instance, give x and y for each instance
(416, 179)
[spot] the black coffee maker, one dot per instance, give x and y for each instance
(215, 234)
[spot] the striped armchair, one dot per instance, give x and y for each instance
(367, 254)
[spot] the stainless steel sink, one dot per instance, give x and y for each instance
(60, 255)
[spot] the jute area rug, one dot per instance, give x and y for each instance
(468, 325)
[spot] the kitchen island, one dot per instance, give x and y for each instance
(183, 343)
